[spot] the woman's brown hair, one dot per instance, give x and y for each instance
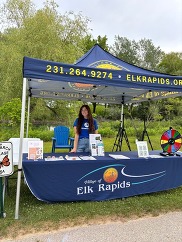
(81, 118)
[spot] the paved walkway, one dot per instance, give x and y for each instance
(163, 228)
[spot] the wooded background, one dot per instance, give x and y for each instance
(64, 37)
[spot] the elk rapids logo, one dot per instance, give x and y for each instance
(112, 178)
(110, 175)
(102, 64)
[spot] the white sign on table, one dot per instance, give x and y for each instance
(142, 148)
(35, 149)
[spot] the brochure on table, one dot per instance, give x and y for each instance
(67, 157)
(96, 145)
(53, 158)
(87, 157)
(118, 157)
(35, 149)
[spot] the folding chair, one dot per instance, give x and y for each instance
(62, 139)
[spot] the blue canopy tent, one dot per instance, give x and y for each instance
(96, 77)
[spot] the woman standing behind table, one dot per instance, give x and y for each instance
(84, 125)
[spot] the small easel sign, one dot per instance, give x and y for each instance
(6, 169)
(6, 159)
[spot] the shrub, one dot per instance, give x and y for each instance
(106, 132)
(45, 135)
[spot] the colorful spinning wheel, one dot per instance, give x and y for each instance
(171, 141)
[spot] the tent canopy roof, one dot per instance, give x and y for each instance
(98, 76)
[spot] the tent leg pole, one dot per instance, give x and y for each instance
(28, 117)
(20, 148)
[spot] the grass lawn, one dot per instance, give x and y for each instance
(36, 215)
(109, 142)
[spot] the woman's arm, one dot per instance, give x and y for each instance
(75, 140)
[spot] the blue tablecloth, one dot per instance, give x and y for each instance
(101, 179)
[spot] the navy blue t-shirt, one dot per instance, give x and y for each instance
(85, 128)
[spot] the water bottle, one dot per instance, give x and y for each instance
(100, 148)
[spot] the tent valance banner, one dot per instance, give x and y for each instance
(93, 79)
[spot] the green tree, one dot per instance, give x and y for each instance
(171, 63)
(53, 112)
(170, 108)
(44, 34)
(89, 42)
(10, 67)
(142, 53)
(10, 113)
(14, 12)
(125, 49)
(149, 56)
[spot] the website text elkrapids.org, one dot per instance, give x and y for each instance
(154, 80)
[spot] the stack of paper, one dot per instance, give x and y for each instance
(87, 158)
(52, 158)
(118, 157)
(155, 156)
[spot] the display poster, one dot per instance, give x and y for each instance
(142, 149)
(96, 145)
(6, 159)
(35, 149)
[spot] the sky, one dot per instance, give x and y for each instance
(157, 20)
